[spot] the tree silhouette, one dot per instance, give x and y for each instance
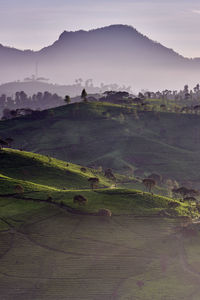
(84, 95)
(93, 182)
(67, 99)
(3, 143)
(149, 183)
(9, 141)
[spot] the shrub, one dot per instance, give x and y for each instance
(79, 199)
(173, 204)
(49, 199)
(109, 174)
(190, 199)
(19, 189)
(198, 207)
(93, 182)
(104, 212)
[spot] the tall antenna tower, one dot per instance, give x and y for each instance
(36, 70)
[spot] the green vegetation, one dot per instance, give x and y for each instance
(94, 134)
(43, 182)
(118, 241)
(57, 254)
(47, 171)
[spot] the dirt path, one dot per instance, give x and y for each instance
(10, 246)
(183, 260)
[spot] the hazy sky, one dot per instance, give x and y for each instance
(37, 23)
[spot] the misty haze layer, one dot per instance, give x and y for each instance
(116, 53)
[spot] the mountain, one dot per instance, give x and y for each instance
(117, 53)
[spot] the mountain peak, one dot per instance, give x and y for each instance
(116, 28)
(66, 34)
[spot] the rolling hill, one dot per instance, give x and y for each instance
(111, 136)
(47, 238)
(34, 86)
(54, 182)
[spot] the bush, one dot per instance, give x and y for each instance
(79, 199)
(104, 212)
(173, 204)
(19, 189)
(49, 199)
(93, 182)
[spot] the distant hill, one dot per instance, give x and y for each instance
(32, 87)
(117, 53)
(100, 134)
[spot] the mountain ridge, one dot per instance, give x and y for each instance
(65, 34)
(117, 53)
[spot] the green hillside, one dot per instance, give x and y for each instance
(16, 209)
(46, 170)
(47, 238)
(99, 134)
(44, 179)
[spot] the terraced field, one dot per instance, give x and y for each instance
(56, 255)
(48, 253)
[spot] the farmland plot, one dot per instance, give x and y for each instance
(62, 256)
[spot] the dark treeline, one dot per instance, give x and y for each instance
(21, 104)
(183, 95)
(186, 101)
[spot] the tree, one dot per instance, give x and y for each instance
(3, 144)
(149, 183)
(84, 95)
(185, 192)
(156, 177)
(93, 182)
(109, 174)
(9, 141)
(67, 99)
(6, 114)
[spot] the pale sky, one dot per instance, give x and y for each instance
(28, 24)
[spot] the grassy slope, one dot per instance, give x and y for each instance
(119, 201)
(51, 177)
(42, 170)
(95, 134)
